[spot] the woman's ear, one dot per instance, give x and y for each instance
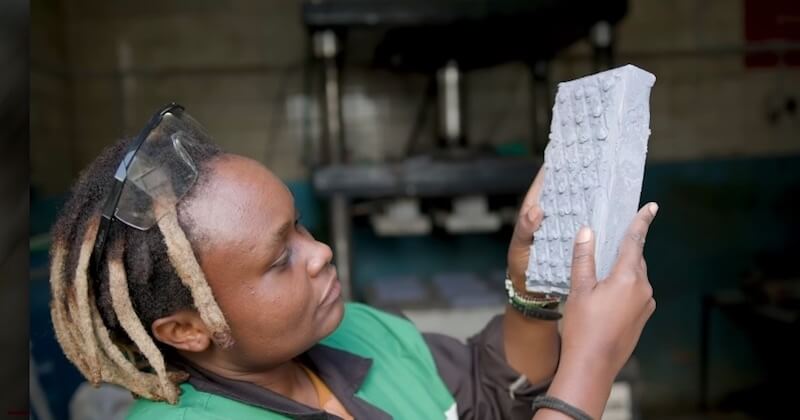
(183, 330)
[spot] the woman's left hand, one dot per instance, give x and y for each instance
(525, 336)
(528, 221)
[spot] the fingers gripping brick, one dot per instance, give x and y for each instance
(594, 164)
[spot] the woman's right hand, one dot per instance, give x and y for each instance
(602, 320)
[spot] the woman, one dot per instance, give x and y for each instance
(182, 273)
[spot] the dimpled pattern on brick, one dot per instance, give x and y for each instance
(594, 164)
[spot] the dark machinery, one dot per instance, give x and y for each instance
(444, 39)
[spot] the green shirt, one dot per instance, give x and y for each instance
(402, 380)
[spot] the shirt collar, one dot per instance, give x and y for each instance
(343, 372)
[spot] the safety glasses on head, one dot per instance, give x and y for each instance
(155, 173)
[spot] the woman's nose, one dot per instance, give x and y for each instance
(321, 258)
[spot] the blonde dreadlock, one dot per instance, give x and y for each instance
(101, 318)
(180, 253)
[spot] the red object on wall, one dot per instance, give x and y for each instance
(772, 21)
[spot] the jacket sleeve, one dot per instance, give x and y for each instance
(481, 381)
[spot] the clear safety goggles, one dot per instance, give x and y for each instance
(155, 173)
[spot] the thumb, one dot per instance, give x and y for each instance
(528, 222)
(584, 276)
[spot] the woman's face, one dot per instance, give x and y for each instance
(273, 281)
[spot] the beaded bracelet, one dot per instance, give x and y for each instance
(539, 308)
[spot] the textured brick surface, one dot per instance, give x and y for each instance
(593, 171)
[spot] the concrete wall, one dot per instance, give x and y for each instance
(705, 102)
(237, 65)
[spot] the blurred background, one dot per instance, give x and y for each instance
(408, 131)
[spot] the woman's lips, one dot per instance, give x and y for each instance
(332, 291)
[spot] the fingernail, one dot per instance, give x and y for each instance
(654, 209)
(584, 235)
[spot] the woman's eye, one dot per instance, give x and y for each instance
(283, 260)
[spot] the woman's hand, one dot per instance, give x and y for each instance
(531, 345)
(602, 320)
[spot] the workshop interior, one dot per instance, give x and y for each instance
(408, 131)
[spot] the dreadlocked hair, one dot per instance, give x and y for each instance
(101, 318)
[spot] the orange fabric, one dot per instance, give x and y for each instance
(327, 401)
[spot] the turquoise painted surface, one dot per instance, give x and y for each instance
(716, 218)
